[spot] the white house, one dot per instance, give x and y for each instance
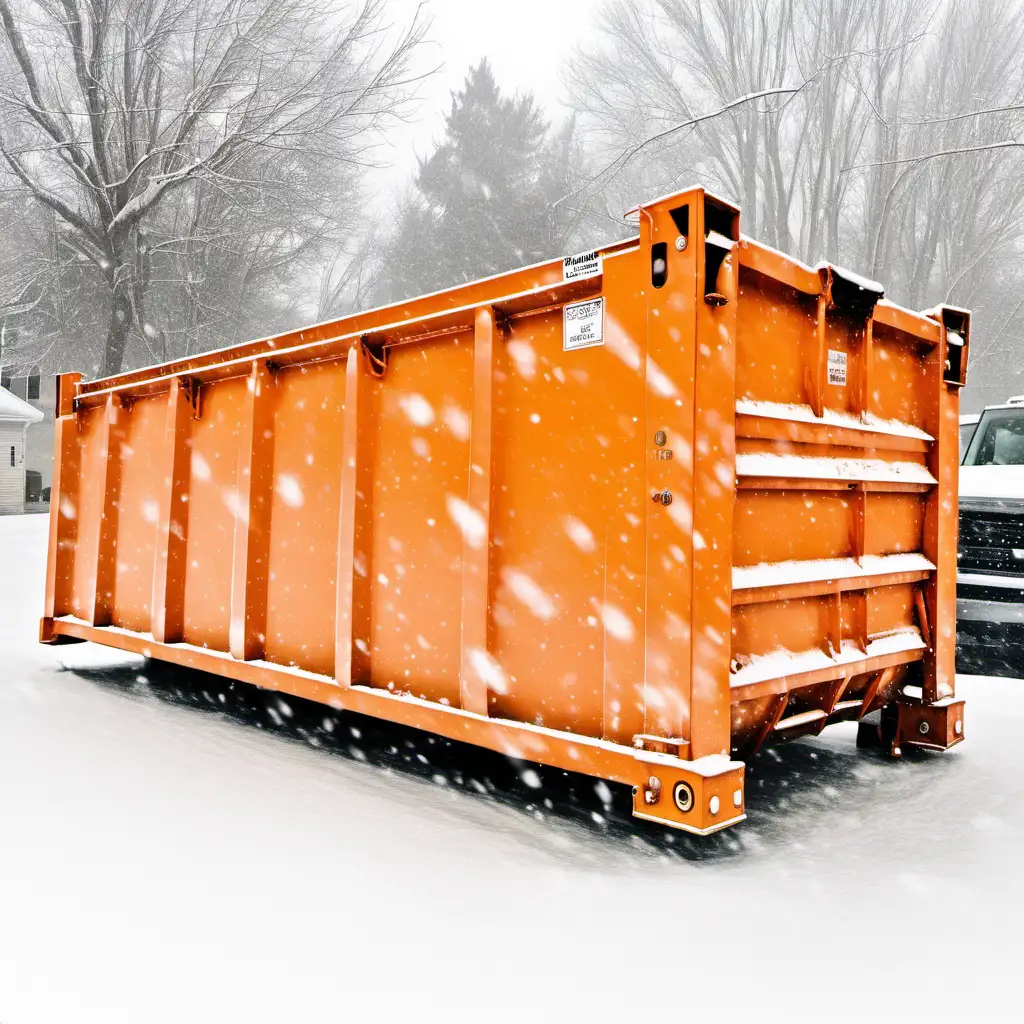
(15, 418)
(40, 392)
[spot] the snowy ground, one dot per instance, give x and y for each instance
(163, 860)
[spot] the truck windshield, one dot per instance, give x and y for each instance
(998, 439)
(966, 433)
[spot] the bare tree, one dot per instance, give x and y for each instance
(218, 141)
(898, 154)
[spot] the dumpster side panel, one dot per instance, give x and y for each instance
(92, 443)
(797, 625)
(819, 524)
(843, 334)
(891, 608)
(213, 504)
(834, 469)
(902, 379)
(411, 513)
(302, 585)
(623, 595)
(64, 499)
(139, 504)
(774, 340)
(567, 455)
(894, 523)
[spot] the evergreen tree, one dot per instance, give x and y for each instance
(483, 202)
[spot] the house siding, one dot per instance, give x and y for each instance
(39, 443)
(12, 481)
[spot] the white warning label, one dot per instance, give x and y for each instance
(836, 367)
(583, 324)
(584, 264)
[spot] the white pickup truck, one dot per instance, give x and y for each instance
(990, 570)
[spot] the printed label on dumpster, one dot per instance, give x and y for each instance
(584, 264)
(836, 367)
(583, 324)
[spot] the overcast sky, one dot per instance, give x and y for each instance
(526, 41)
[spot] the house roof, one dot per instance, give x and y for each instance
(13, 408)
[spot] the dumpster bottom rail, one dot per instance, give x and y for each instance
(700, 796)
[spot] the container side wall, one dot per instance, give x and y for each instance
(139, 511)
(567, 470)
(903, 384)
(818, 524)
(775, 340)
(799, 624)
(624, 594)
(410, 530)
(301, 588)
(92, 456)
(64, 500)
(837, 469)
(213, 504)
(894, 523)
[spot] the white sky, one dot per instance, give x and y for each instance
(526, 41)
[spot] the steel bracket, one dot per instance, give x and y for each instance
(699, 801)
(376, 356)
(191, 386)
(912, 723)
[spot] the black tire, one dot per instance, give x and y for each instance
(869, 736)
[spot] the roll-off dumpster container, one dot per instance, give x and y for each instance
(634, 513)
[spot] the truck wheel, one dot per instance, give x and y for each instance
(869, 734)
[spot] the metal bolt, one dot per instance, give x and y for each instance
(660, 438)
(923, 728)
(681, 243)
(662, 497)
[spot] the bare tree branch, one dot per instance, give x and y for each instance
(959, 151)
(241, 129)
(623, 158)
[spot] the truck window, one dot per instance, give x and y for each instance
(966, 433)
(998, 439)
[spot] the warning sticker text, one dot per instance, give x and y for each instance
(583, 324)
(584, 264)
(836, 367)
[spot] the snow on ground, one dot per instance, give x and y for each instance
(161, 860)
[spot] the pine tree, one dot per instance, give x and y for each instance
(483, 201)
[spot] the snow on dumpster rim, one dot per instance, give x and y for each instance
(814, 570)
(783, 662)
(802, 413)
(823, 468)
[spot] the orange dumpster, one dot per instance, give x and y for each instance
(634, 513)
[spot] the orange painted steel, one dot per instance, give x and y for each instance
(634, 521)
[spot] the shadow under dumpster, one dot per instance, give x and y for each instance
(790, 788)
